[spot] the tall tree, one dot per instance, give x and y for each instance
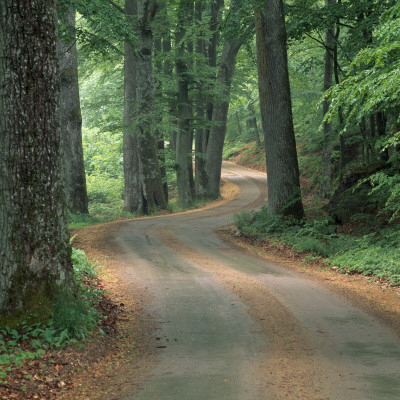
(143, 182)
(234, 40)
(71, 118)
(149, 168)
(34, 243)
(276, 111)
(183, 141)
(330, 44)
(133, 199)
(201, 135)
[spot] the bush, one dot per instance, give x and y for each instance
(376, 253)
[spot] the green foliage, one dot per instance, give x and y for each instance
(257, 223)
(376, 253)
(103, 29)
(386, 192)
(374, 80)
(74, 318)
(373, 254)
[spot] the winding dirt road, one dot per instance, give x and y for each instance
(228, 325)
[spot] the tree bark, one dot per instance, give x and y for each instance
(150, 176)
(253, 125)
(184, 112)
(215, 20)
(200, 136)
(160, 133)
(168, 73)
(133, 192)
(284, 196)
(216, 139)
(71, 122)
(34, 242)
(326, 164)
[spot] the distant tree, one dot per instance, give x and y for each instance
(330, 44)
(71, 118)
(236, 34)
(34, 242)
(284, 195)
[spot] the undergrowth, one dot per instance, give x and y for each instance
(369, 253)
(74, 319)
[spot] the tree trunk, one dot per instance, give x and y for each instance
(133, 192)
(168, 73)
(184, 112)
(151, 181)
(34, 242)
(220, 114)
(253, 125)
(200, 143)
(342, 162)
(381, 122)
(71, 122)
(326, 165)
(284, 195)
(215, 20)
(160, 133)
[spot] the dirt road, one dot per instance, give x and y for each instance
(231, 326)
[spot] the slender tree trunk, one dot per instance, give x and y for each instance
(184, 113)
(151, 181)
(253, 125)
(239, 126)
(326, 165)
(34, 242)
(381, 122)
(168, 73)
(220, 114)
(215, 20)
(200, 142)
(191, 114)
(71, 122)
(160, 134)
(284, 196)
(133, 192)
(342, 162)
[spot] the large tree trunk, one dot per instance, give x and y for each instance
(184, 112)
(133, 197)
(326, 164)
(71, 122)
(34, 242)
(284, 195)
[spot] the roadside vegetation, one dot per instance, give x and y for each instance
(367, 249)
(37, 355)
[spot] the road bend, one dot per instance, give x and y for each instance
(232, 326)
